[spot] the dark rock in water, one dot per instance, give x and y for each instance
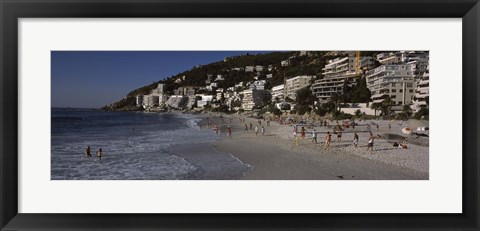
(341, 177)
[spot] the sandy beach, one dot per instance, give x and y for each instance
(275, 155)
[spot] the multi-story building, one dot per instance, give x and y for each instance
(337, 74)
(323, 89)
(294, 84)
(419, 58)
(139, 100)
(278, 92)
(346, 66)
(422, 92)
(397, 81)
(150, 101)
(258, 84)
(253, 98)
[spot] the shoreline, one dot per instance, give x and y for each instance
(275, 156)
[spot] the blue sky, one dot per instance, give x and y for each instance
(92, 79)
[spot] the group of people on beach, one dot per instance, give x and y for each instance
(88, 153)
(328, 137)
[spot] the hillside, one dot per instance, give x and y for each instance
(306, 63)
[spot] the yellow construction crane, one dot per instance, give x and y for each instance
(358, 64)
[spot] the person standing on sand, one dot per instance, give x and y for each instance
(328, 139)
(263, 131)
(377, 127)
(256, 130)
(339, 136)
(88, 154)
(229, 132)
(295, 134)
(314, 136)
(251, 125)
(246, 128)
(370, 143)
(99, 153)
(355, 139)
(216, 129)
(303, 133)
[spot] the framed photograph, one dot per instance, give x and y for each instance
(223, 115)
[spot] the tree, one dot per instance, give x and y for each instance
(422, 113)
(358, 113)
(335, 98)
(375, 106)
(385, 105)
(304, 96)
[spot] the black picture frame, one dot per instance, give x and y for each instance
(12, 10)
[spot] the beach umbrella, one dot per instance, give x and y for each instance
(407, 131)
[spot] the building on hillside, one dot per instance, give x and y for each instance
(186, 90)
(269, 76)
(294, 84)
(238, 69)
(254, 98)
(259, 68)
(397, 81)
(285, 63)
(346, 66)
(337, 74)
(421, 92)
(219, 78)
(139, 100)
(258, 84)
(150, 101)
(419, 58)
(278, 92)
(249, 68)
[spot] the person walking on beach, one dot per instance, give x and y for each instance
(246, 128)
(328, 139)
(99, 154)
(339, 136)
(88, 154)
(216, 129)
(303, 133)
(370, 143)
(295, 134)
(256, 130)
(263, 131)
(251, 125)
(314, 136)
(229, 132)
(355, 139)
(377, 127)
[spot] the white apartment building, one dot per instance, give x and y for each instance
(419, 58)
(346, 66)
(139, 100)
(258, 84)
(252, 98)
(336, 73)
(294, 84)
(396, 81)
(422, 92)
(278, 91)
(150, 101)
(323, 89)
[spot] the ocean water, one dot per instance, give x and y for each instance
(136, 146)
